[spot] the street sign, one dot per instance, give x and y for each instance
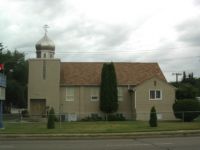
(2, 86)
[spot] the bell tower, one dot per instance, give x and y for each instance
(43, 78)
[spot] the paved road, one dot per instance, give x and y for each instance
(180, 143)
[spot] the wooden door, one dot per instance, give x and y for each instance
(37, 107)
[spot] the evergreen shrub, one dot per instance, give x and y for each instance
(51, 119)
(153, 118)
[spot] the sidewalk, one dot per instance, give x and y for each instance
(100, 135)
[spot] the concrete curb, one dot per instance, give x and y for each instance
(134, 135)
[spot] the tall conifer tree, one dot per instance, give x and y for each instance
(108, 89)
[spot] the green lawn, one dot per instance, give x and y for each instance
(97, 127)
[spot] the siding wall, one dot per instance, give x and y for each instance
(163, 107)
(83, 106)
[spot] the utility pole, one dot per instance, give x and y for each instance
(177, 74)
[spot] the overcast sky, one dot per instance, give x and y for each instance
(163, 31)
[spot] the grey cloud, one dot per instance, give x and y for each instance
(44, 9)
(189, 32)
(196, 2)
(159, 54)
(84, 34)
(115, 36)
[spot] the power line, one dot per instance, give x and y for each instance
(117, 53)
(114, 51)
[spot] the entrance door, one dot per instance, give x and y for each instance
(38, 106)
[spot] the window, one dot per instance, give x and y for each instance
(69, 94)
(155, 95)
(120, 93)
(94, 92)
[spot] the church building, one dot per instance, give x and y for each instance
(72, 88)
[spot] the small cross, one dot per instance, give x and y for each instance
(45, 28)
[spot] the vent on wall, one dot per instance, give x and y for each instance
(155, 83)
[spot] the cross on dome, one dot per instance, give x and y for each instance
(45, 28)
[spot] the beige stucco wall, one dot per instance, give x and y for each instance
(126, 106)
(163, 106)
(44, 88)
(83, 106)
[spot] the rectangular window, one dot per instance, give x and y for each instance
(158, 94)
(120, 93)
(69, 94)
(155, 95)
(94, 92)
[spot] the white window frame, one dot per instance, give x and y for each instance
(156, 98)
(69, 95)
(94, 94)
(120, 94)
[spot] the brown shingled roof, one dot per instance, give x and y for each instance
(89, 73)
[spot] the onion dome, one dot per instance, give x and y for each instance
(45, 44)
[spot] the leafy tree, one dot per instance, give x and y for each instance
(153, 118)
(108, 89)
(187, 109)
(16, 71)
(186, 91)
(191, 75)
(197, 84)
(188, 88)
(1, 48)
(51, 119)
(184, 76)
(15, 93)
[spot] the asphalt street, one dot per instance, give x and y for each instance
(173, 143)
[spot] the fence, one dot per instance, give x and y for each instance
(67, 117)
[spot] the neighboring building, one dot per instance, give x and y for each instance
(72, 88)
(2, 86)
(2, 94)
